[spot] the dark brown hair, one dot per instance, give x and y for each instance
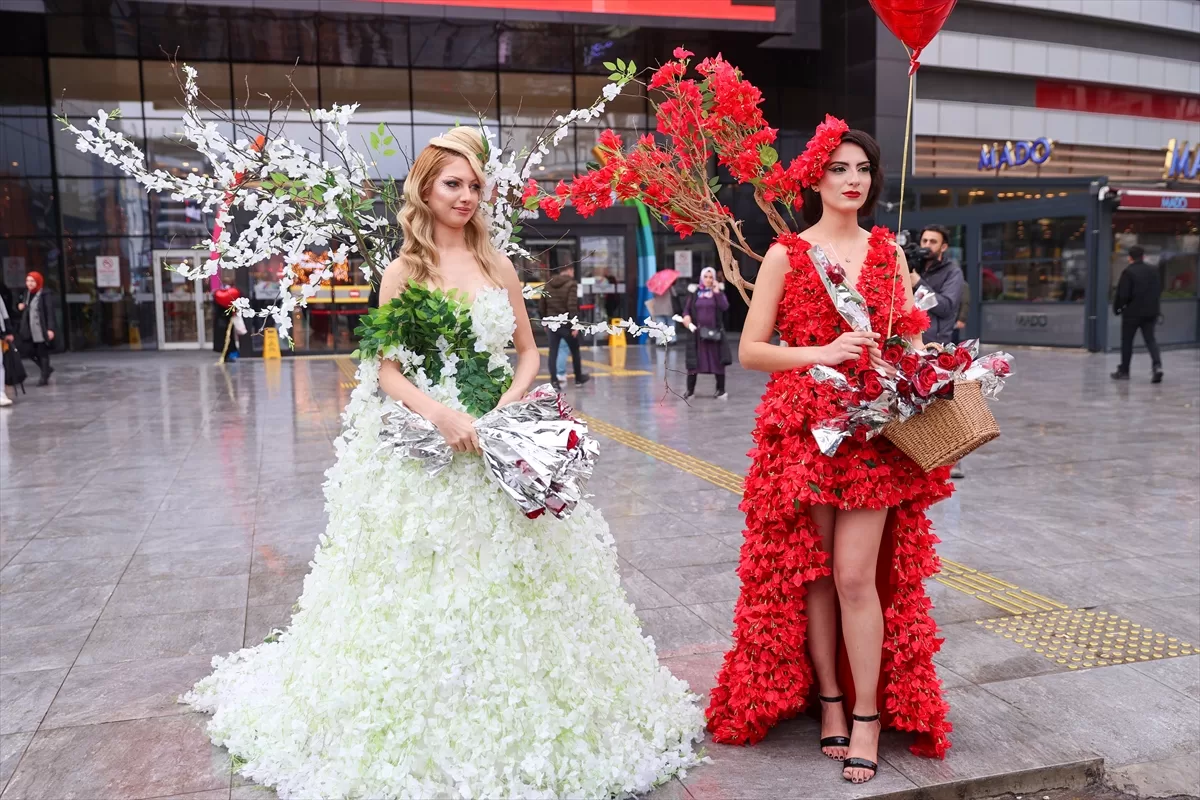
(813, 209)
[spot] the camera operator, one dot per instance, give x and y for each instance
(943, 277)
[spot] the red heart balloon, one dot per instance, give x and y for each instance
(225, 296)
(915, 22)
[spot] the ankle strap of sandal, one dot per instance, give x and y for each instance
(825, 699)
(867, 718)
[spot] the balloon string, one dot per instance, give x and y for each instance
(912, 80)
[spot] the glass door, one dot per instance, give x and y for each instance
(180, 303)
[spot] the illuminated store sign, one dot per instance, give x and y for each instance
(739, 10)
(1181, 162)
(994, 157)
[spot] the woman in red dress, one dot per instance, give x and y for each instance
(828, 537)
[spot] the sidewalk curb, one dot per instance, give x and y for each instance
(1069, 775)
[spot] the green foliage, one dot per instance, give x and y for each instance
(416, 320)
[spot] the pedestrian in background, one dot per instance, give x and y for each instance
(708, 349)
(37, 324)
(560, 295)
(942, 276)
(6, 335)
(1138, 304)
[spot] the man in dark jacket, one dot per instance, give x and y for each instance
(942, 276)
(1137, 303)
(560, 295)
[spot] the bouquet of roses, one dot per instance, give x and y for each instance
(921, 377)
(535, 450)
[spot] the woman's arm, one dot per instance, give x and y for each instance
(457, 427)
(755, 350)
(529, 360)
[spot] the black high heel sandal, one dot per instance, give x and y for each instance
(860, 763)
(833, 741)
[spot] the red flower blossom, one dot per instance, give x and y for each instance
(910, 363)
(666, 74)
(681, 54)
(925, 379)
(962, 357)
(816, 154)
(946, 360)
(531, 190)
(610, 140)
(552, 207)
(872, 387)
(893, 353)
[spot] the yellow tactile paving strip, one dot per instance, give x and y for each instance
(1001, 594)
(689, 464)
(1072, 638)
(1079, 638)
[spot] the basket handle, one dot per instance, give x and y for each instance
(892, 299)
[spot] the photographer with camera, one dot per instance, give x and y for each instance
(942, 276)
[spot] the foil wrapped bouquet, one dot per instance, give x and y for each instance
(876, 399)
(535, 450)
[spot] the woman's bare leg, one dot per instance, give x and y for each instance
(856, 542)
(822, 636)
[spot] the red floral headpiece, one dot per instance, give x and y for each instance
(820, 147)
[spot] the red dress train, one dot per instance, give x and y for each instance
(767, 677)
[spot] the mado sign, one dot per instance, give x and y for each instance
(995, 157)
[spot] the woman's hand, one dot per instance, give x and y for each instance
(20, 306)
(877, 361)
(687, 321)
(509, 397)
(848, 347)
(458, 429)
(50, 336)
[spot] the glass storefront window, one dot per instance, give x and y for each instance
(975, 196)
(189, 32)
(595, 45)
(110, 33)
(82, 85)
(601, 274)
(1171, 242)
(25, 147)
(27, 207)
(449, 44)
(443, 98)
(110, 316)
(22, 87)
(259, 88)
(535, 45)
(1037, 260)
(164, 98)
(381, 93)
(532, 99)
(103, 207)
(936, 198)
(362, 39)
(273, 36)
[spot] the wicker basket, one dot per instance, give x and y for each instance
(947, 430)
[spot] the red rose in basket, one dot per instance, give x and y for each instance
(893, 353)
(963, 358)
(947, 361)
(925, 379)
(872, 387)
(910, 363)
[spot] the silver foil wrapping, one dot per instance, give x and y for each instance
(846, 299)
(535, 451)
(924, 298)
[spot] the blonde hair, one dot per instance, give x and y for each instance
(418, 253)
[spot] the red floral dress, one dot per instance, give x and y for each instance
(767, 676)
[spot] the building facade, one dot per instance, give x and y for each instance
(1051, 136)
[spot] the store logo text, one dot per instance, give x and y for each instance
(1181, 162)
(995, 157)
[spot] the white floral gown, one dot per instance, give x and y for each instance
(446, 646)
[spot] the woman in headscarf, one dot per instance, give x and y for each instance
(708, 351)
(37, 323)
